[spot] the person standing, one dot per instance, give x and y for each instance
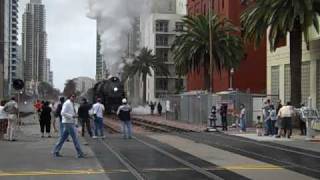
(266, 117)
(84, 117)
(12, 109)
(159, 108)
(223, 114)
(242, 116)
(152, 106)
(69, 116)
(45, 120)
(213, 117)
(286, 113)
(124, 115)
(58, 114)
(273, 118)
(302, 123)
(98, 111)
(3, 120)
(278, 122)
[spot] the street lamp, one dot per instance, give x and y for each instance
(231, 79)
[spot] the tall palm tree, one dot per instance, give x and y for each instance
(143, 64)
(282, 17)
(191, 48)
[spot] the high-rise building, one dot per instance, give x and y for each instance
(83, 84)
(159, 30)
(99, 57)
(8, 44)
(4, 45)
(34, 44)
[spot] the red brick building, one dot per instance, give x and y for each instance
(251, 75)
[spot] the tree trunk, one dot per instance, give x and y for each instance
(144, 79)
(206, 78)
(295, 63)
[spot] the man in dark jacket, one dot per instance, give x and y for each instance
(45, 119)
(124, 115)
(84, 117)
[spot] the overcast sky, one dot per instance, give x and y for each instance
(71, 39)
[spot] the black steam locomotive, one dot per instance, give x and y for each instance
(111, 91)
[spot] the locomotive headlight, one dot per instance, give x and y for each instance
(115, 89)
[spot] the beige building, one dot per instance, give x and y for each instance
(278, 71)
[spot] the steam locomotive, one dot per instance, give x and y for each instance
(111, 92)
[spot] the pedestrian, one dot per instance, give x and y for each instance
(12, 109)
(152, 107)
(3, 120)
(213, 117)
(69, 116)
(98, 111)
(37, 106)
(286, 113)
(266, 117)
(302, 123)
(45, 120)
(159, 108)
(223, 114)
(84, 117)
(58, 114)
(124, 115)
(243, 119)
(273, 119)
(278, 122)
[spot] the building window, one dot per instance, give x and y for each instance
(161, 84)
(162, 40)
(305, 82)
(13, 68)
(162, 54)
(179, 83)
(275, 82)
(162, 26)
(287, 83)
(179, 26)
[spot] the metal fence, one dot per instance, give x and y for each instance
(194, 107)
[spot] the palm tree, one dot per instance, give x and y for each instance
(191, 49)
(143, 64)
(282, 17)
(69, 88)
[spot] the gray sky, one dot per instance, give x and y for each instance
(71, 39)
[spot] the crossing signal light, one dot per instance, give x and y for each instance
(18, 84)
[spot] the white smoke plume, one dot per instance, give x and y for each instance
(115, 19)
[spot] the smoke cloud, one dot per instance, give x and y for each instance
(115, 19)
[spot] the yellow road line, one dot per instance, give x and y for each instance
(57, 172)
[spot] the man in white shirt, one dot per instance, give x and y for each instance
(286, 113)
(69, 116)
(98, 111)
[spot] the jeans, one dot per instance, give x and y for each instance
(68, 129)
(85, 123)
(127, 129)
(243, 126)
(98, 123)
(269, 127)
(60, 128)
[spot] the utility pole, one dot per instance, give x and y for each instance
(210, 46)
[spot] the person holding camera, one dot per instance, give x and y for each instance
(98, 111)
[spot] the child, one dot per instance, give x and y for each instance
(259, 126)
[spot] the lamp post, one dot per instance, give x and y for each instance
(231, 79)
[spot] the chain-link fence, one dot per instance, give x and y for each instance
(194, 107)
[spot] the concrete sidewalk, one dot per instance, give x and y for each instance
(30, 157)
(296, 140)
